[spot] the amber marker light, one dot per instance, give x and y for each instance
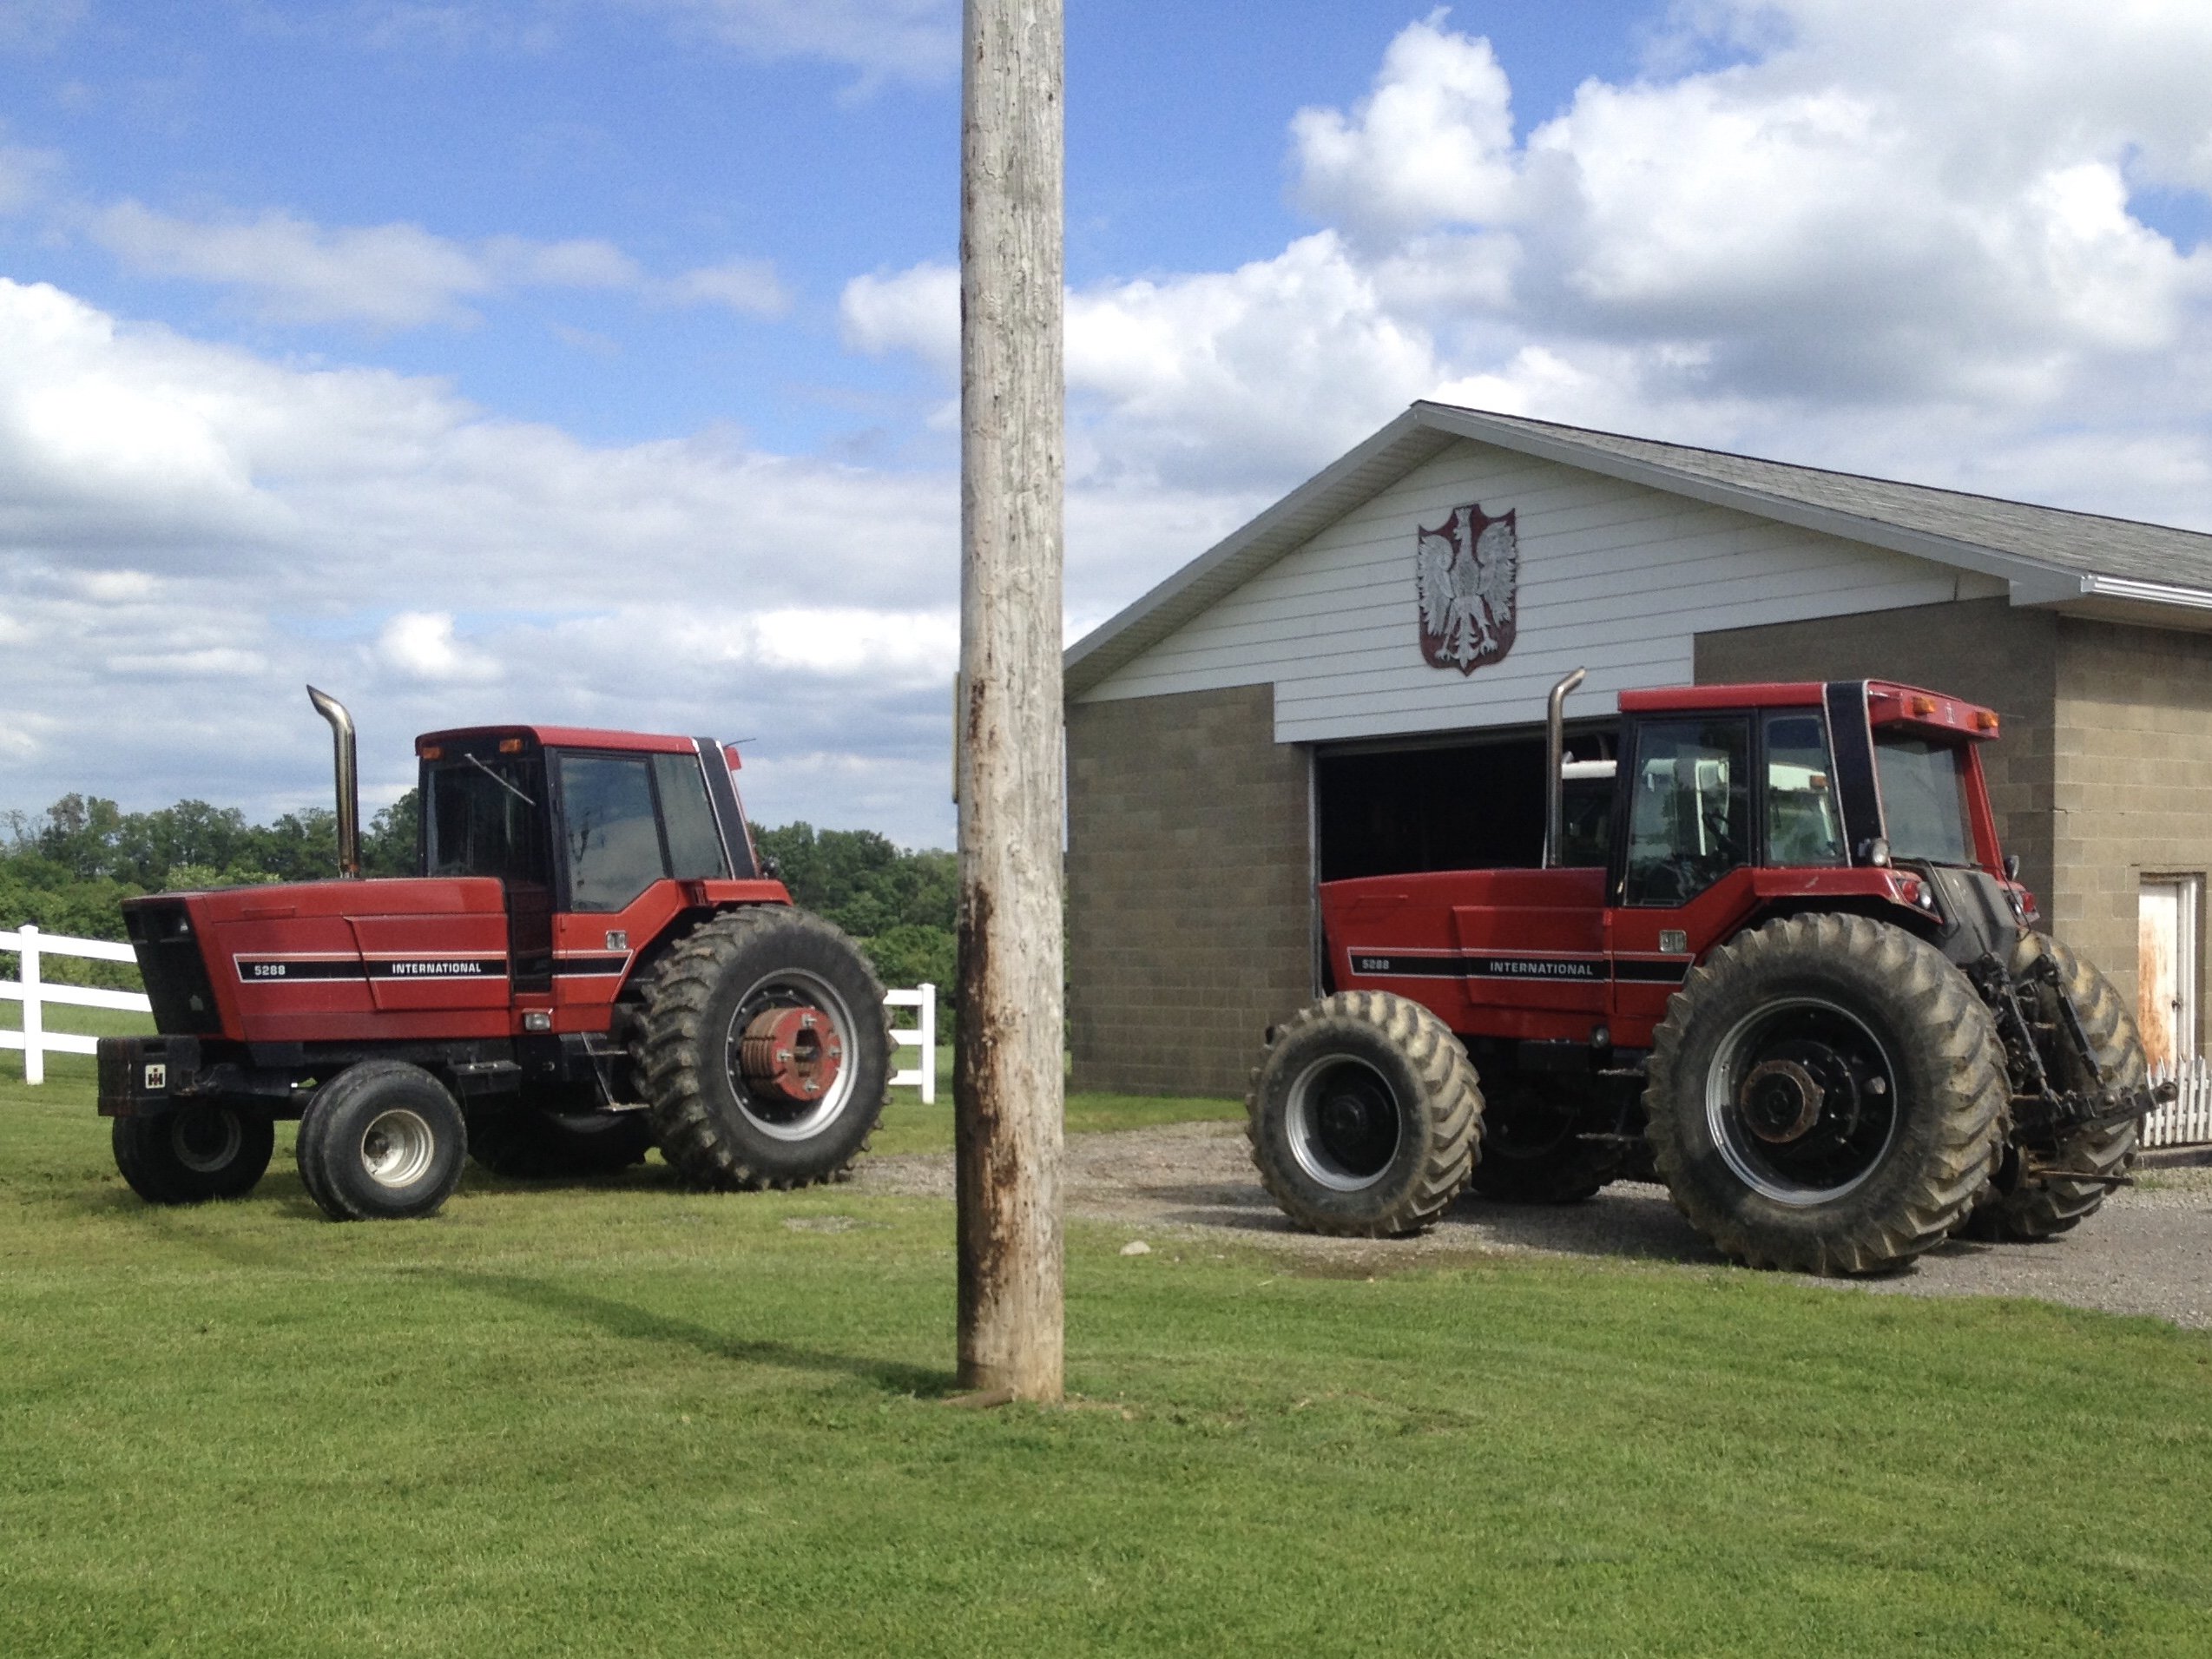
(1922, 706)
(430, 752)
(510, 745)
(1986, 720)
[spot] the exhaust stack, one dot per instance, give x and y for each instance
(1555, 731)
(349, 781)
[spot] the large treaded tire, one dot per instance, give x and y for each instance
(383, 1141)
(195, 1152)
(1533, 1149)
(1884, 1173)
(2042, 1206)
(1364, 1116)
(527, 1142)
(714, 1130)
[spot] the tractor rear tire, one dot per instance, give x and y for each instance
(1533, 1149)
(720, 1120)
(195, 1152)
(534, 1143)
(2042, 1206)
(1364, 1116)
(1826, 1095)
(382, 1141)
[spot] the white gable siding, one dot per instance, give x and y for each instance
(1615, 577)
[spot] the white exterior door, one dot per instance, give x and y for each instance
(2166, 972)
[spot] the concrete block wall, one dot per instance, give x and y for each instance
(2133, 775)
(1189, 895)
(1980, 649)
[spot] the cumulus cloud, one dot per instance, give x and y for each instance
(1864, 233)
(195, 516)
(395, 276)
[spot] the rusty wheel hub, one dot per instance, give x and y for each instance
(792, 1053)
(1781, 1100)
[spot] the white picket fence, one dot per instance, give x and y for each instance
(2187, 1122)
(30, 989)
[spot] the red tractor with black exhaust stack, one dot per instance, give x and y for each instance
(590, 961)
(1785, 968)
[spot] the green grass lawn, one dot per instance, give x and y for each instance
(627, 1420)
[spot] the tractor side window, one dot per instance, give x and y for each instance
(610, 835)
(485, 820)
(1689, 814)
(1924, 799)
(1803, 826)
(695, 851)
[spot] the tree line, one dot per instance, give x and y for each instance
(69, 868)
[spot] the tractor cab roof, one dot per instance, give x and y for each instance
(1887, 703)
(555, 737)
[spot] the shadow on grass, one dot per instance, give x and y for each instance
(635, 1324)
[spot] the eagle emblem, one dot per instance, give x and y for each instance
(1466, 572)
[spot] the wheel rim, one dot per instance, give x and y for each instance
(396, 1148)
(831, 1058)
(205, 1139)
(1343, 1124)
(1801, 1101)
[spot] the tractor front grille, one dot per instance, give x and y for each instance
(168, 959)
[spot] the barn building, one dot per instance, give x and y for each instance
(1353, 683)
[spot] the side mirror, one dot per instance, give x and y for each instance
(2011, 866)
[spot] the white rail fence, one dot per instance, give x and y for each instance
(2187, 1122)
(31, 989)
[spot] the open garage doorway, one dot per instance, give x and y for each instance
(1455, 802)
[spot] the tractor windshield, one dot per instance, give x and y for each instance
(483, 817)
(1924, 798)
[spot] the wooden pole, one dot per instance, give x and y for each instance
(1007, 1085)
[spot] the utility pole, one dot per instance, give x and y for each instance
(1008, 1088)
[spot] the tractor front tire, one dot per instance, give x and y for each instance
(2043, 1206)
(1533, 1148)
(1364, 1116)
(195, 1152)
(1826, 1095)
(764, 1051)
(382, 1141)
(529, 1142)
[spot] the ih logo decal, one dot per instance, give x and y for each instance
(1467, 571)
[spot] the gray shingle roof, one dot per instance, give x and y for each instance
(2114, 566)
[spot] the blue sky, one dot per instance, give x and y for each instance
(590, 359)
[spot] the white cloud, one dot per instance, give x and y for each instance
(1432, 145)
(248, 526)
(420, 645)
(748, 287)
(395, 276)
(1866, 233)
(910, 40)
(24, 176)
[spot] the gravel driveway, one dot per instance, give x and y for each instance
(2148, 1251)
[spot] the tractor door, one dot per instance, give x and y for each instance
(483, 815)
(632, 824)
(1681, 873)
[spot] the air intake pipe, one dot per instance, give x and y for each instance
(1555, 799)
(349, 781)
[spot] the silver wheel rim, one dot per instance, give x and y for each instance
(200, 1151)
(794, 988)
(396, 1148)
(1319, 1145)
(1751, 1160)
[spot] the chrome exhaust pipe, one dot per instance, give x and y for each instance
(1555, 733)
(349, 781)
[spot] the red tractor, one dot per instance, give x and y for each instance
(592, 960)
(1775, 958)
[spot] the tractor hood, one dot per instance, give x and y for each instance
(324, 960)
